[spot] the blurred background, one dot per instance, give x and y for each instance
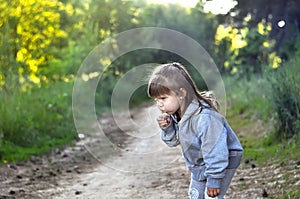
(255, 45)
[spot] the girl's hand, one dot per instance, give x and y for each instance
(213, 192)
(163, 120)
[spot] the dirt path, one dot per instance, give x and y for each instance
(135, 165)
(143, 168)
(139, 165)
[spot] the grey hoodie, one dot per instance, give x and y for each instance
(208, 143)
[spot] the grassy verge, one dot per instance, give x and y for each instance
(251, 114)
(36, 121)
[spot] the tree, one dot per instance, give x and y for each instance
(28, 31)
(245, 50)
(274, 12)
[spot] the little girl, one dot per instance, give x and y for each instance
(211, 150)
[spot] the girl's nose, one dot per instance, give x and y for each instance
(158, 102)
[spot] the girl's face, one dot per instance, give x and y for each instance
(168, 103)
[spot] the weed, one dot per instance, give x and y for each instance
(35, 121)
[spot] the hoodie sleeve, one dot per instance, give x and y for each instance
(169, 135)
(214, 149)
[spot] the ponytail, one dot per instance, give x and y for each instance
(211, 98)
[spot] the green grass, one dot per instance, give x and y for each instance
(14, 153)
(35, 121)
(252, 117)
(250, 97)
(262, 151)
(250, 114)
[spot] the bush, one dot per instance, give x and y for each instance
(35, 121)
(248, 97)
(285, 98)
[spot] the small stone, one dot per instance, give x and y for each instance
(78, 171)
(12, 167)
(37, 169)
(21, 191)
(264, 194)
(65, 155)
(51, 173)
(20, 164)
(57, 152)
(19, 177)
(77, 192)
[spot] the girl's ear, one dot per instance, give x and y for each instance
(182, 93)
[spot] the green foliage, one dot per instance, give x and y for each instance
(285, 101)
(30, 29)
(245, 51)
(192, 22)
(45, 41)
(255, 55)
(273, 97)
(249, 97)
(35, 120)
(272, 11)
(264, 149)
(251, 115)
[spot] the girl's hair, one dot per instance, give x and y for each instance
(173, 77)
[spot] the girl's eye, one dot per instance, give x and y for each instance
(160, 98)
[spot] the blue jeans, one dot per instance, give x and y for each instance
(197, 188)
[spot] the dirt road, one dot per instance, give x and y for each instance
(127, 160)
(142, 167)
